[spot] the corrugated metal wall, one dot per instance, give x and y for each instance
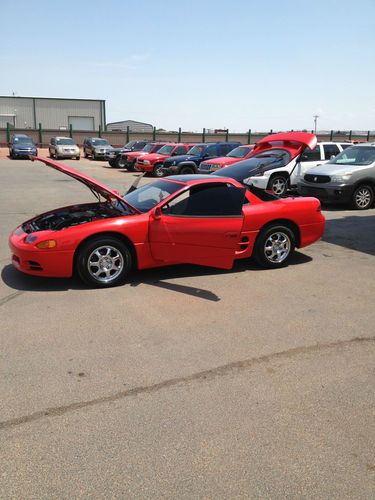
(51, 113)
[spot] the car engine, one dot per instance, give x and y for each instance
(70, 216)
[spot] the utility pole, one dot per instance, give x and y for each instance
(315, 121)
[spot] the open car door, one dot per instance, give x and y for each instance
(202, 225)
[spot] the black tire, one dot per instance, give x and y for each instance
(93, 157)
(187, 171)
(84, 153)
(270, 240)
(278, 184)
(362, 197)
(11, 155)
(119, 162)
(78, 157)
(158, 172)
(57, 156)
(130, 166)
(114, 254)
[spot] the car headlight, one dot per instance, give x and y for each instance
(146, 162)
(341, 178)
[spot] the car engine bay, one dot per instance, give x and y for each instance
(70, 216)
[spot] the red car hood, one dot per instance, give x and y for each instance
(294, 142)
(135, 154)
(92, 184)
(222, 160)
(154, 157)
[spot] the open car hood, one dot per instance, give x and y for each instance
(294, 142)
(96, 187)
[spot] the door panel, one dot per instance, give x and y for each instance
(204, 241)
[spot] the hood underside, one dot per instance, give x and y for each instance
(94, 186)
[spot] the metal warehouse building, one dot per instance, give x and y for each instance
(133, 126)
(52, 113)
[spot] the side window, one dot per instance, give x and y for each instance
(330, 150)
(211, 150)
(344, 146)
(180, 150)
(207, 200)
(311, 155)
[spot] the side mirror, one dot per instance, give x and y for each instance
(332, 156)
(157, 213)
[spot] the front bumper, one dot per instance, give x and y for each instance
(260, 181)
(330, 194)
(25, 154)
(141, 167)
(29, 259)
(68, 154)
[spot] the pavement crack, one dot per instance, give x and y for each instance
(11, 297)
(204, 375)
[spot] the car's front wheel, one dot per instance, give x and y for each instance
(120, 162)
(278, 184)
(274, 246)
(363, 197)
(103, 262)
(187, 171)
(158, 170)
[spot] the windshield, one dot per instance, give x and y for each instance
(245, 168)
(65, 141)
(23, 140)
(100, 142)
(147, 197)
(130, 144)
(239, 152)
(196, 150)
(149, 147)
(166, 150)
(360, 155)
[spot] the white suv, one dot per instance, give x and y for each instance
(280, 179)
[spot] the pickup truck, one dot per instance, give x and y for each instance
(153, 163)
(189, 163)
(237, 154)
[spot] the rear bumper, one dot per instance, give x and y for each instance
(329, 194)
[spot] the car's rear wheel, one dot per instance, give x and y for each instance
(274, 246)
(363, 197)
(278, 184)
(158, 170)
(187, 171)
(103, 262)
(120, 162)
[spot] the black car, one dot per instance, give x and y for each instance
(114, 156)
(189, 163)
(21, 146)
(256, 165)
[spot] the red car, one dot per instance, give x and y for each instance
(128, 160)
(153, 163)
(238, 154)
(196, 219)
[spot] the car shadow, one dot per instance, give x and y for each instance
(157, 277)
(356, 232)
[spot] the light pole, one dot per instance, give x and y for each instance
(315, 122)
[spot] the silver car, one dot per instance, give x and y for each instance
(63, 147)
(348, 178)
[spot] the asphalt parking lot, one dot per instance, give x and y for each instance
(187, 382)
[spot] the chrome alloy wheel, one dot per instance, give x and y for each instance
(277, 247)
(105, 263)
(278, 185)
(363, 197)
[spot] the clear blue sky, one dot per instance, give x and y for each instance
(239, 64)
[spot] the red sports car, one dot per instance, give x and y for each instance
(195, 219)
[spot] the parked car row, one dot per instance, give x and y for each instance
(279, 163)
